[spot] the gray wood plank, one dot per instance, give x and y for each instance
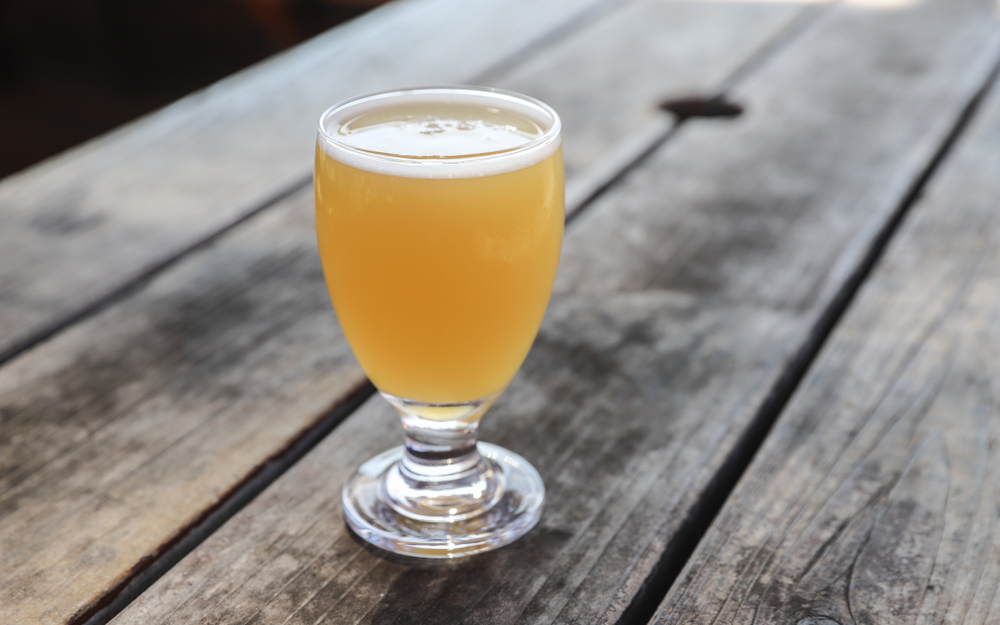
(875, 498)
(121, 432)
(684, 293)
(607, 81)
(75, 229)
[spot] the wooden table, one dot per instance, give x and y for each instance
(766, 390)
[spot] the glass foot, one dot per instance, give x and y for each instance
(512, 501)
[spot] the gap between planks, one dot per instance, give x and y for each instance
(145, 573)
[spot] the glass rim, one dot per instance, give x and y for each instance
(551, 134)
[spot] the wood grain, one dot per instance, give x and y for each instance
(684, 293)
(607, 81)
(875, 499)
(125, 430)
(75, 229)
(122, 431)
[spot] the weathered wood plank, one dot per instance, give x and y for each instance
(112, 446)
(77, 228)
(122, 431)
(875, 498)
(607, 81)
(656, 353)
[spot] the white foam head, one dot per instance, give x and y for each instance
(440, 132)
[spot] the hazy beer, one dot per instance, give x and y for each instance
(439, 274)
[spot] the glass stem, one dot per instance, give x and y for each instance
(442, 477)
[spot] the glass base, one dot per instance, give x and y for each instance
(511, 505)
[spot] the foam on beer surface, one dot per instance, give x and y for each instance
(448, 139)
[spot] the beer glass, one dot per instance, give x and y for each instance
(439, 215)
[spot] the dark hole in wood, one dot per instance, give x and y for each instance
(685, 108)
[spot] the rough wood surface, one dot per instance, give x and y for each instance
(75, 229)
(607, 81)
(715, 260)
(875, 499)
(122, 431)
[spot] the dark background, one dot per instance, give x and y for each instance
(73, 69)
